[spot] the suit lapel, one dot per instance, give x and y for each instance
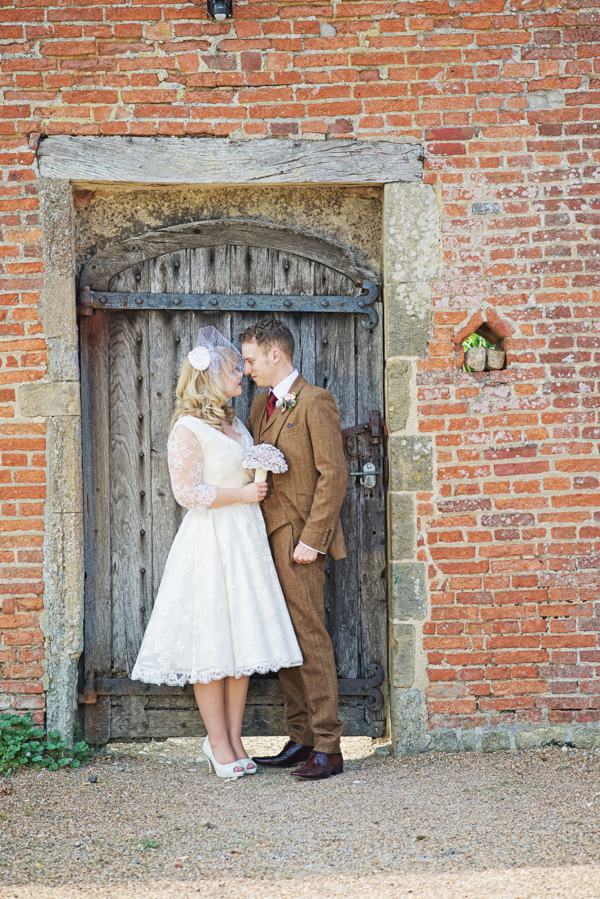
(272, 428)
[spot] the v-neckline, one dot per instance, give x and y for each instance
(239, 442)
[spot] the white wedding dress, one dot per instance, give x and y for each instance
(219, 610)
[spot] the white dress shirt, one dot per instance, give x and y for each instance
(284, 386)
(280, 390)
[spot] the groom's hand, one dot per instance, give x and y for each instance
(304, 555)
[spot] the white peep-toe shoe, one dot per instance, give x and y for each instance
(249, 765)
(221, 770)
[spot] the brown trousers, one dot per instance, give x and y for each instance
(311, 689)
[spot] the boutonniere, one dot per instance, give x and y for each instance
(288, 401)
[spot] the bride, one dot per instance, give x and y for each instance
(219, 614)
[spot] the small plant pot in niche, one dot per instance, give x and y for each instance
(495, 359)
(475, 358)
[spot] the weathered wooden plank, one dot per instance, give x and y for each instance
(95, 429)
(98, 720)
(130, 470)
(210, 269)
(304, 327)
(102, 267)
(170, 339)
(89, 161)
(240, 321)
(251, 270)
(259, 720)
(336, 372)
(210, 272)
(371, 544)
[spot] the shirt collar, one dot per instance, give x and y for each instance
(284, 386)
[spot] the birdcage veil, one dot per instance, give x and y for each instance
(214, 353)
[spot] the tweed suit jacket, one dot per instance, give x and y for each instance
(310, 493)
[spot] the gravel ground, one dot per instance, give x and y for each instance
(156, 824)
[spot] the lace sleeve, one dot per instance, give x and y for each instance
(186, 463)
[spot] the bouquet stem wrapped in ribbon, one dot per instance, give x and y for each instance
(264, 458)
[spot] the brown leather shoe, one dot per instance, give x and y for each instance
(291, 754)
(321, 765)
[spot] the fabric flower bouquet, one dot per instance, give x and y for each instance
(264, 458)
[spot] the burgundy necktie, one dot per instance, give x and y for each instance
(271, 403)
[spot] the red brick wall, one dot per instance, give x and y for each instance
(504, 95)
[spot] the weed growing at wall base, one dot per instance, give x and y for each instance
(22, 744)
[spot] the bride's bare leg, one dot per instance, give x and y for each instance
(236, 689)
(211, 702)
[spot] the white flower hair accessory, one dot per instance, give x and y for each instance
(199, 358)
(215, 354)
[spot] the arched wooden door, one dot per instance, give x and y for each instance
(137, 323)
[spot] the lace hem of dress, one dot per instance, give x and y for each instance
(175, 679)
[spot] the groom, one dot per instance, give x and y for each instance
(301, 513)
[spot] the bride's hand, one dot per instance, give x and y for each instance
(254, 492)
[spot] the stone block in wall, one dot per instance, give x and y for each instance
(409, 592)
(411, 463)
(408, 318)
(444, 741)
(540, 736)
(58, 310)
(56, 209)
(398, 374)
(63, 359)
(407, 726)
(65, 479)
(402, 525)
(586, 737)
(49, 399)
(469, 739)
(412, 234)
(403, 655)
(495, 741)
(62, 619)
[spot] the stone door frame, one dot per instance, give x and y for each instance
(412, 250)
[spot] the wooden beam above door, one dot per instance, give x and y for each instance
(91, 161)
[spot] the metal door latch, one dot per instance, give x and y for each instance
(368, 475)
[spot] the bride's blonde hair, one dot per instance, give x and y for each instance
(202, 395)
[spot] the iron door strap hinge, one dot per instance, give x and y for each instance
(375, 427)
(361, 303)
(365, 688)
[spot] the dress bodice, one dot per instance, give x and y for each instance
(202, 458)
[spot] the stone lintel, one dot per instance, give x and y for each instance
(89, 160)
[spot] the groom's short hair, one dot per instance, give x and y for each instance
(270, 332)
